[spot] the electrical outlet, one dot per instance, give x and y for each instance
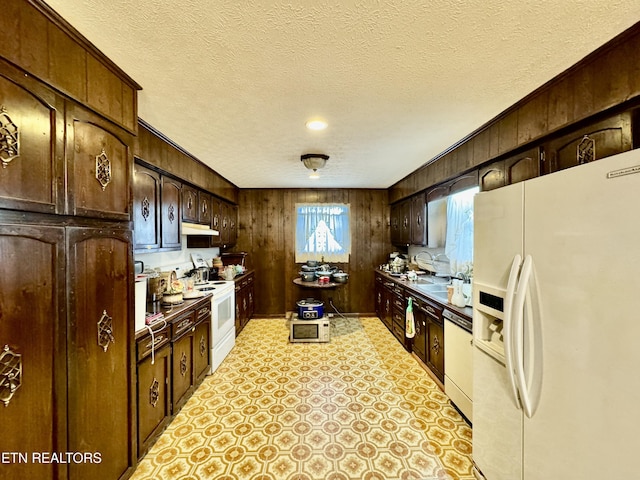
(330, 315)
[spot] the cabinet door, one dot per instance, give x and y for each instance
(251, 296)
(418, 220)
(225, 223)
(405, 222)
(146, 209)
(31, 145)
(154, 397)
(202, 350)
(599, 140)
(420, 339)
(492, 176)
(396, 221)
(189, 204)
(182, 369)
(233, 225)
(522, 167)
(435, 345)
(204, 208)
(216, 220)
(170, 196)
(32, 339)
(100, 350)
(99, 165)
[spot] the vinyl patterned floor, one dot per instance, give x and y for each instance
(359, 407)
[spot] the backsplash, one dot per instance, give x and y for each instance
(180, 261)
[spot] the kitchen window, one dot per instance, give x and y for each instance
(323, 232)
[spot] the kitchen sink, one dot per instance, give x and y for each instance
(437, 290)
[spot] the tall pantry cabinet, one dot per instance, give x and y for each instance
(67, 370)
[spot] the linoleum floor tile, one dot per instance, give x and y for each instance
(359, 407)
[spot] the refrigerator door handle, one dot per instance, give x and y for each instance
(518, 334)
(508, 334)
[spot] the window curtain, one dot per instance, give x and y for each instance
(459, 238)
(322, 231)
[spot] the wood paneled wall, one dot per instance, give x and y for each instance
(605, 80)
(267, 233)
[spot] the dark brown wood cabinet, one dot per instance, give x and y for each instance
(98, 166)
(32, 158)
(401, 223)
(418, 220)
(204, 208)
(182, 367)
(514, 169)
(434, 348)
(245, 306)
(154, 387)
(189, 204)
(170, 213)
(100, 350)
(586, 144)
(146, 209)
(32, 347)
(419, 342)
(201, 357)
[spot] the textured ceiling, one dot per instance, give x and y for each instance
(233, 82)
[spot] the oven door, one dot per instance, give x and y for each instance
(224, 321)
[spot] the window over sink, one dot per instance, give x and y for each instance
(323, 232)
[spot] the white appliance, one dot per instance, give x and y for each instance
(556, 328)
(223, 320)
(458, 360)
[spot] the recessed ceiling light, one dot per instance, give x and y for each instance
(316, 124)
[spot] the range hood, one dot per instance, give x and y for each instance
(196, 229)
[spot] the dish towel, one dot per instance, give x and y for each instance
(410, 324)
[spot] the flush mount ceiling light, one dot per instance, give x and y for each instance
(316, 124)
(314, 161)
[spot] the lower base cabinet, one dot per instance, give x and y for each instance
(154, 388)
(170, 367)
(66, 349)
(244, 300)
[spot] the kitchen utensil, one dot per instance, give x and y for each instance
(229, 272)
(310, 308)
(307, 276)
(340, 277)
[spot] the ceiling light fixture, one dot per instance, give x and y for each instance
(314, 161)
(316, 124)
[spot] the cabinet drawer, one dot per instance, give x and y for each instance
(203, 312)
(148, 343)
(432, 310)
(398, 331)
(182, 325)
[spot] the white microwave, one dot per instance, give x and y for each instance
(318, 330)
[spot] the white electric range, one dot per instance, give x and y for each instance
(223, 319)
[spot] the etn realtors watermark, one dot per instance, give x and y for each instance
(50, 457)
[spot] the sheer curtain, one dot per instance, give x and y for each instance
(459, 239)
(322, 231)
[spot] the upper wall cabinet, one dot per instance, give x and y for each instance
(593, 142)
(189, 204)
(170, 219)
(511, 170)
(31, 144)
(99, 166)
(146, 209)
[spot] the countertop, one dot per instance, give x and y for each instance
(171, 312)
(413, 287)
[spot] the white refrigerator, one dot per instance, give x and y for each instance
(556, 356)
